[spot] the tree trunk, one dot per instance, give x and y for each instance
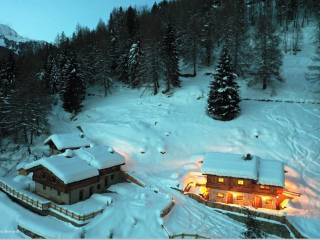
(264, 83)
(25, 134)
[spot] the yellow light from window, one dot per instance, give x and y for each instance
(220, 195)
(240, 182)
(264, 187)
(239, 197)
(221, 180)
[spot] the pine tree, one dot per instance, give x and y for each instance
(74, 89)
(7, 74)
(132, 22)
(237, 35)
(148, 70)
(171, 59)
(207, 37)
(252, 227)
(223, 101)
(314, 69)
(134, 61)
(268, 54)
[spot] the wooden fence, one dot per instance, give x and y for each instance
(167, 209)
(46, 207)
(188, 236)
(73, 215)
(24, 197)
(29, 233)
(282, 101)
(133, 180)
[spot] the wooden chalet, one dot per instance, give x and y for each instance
(244, 180)
(59, 143)
(68, 180)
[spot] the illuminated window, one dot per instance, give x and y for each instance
(240, 197)
(268, 201)
(221, 180)
(220, 195)
(240, 182)
(264, 187)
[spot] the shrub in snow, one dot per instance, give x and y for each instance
(223, 101)
(252, 227)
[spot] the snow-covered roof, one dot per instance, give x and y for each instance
(271, 173)
(266, 172)
(231, 165)
(68, 170)
(68, 140)
(100, 157)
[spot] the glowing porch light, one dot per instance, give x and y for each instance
(203, 191)
(284, 203)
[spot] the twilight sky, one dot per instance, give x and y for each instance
(43, 19)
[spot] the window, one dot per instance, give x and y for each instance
(112, 176)
(268, 201)
(98, 187)
(44, 187)
(240, 182)
(59, 193)
(239, 197)
(221, 180)
(220, 195)
(264, 187)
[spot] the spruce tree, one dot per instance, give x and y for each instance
(223, 101)
(314, 69)
(171, 59)
(74, 89)
(134, 62)
(269, 57)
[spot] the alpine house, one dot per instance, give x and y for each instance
(245, 180)
(75, 176)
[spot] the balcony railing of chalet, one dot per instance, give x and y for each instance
(47, 205)
(23, 197)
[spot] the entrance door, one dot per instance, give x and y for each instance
(257, 202)
(81, 195)
(90, 191)
(229, 198)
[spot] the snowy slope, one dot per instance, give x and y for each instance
(163, 138)
(14, 214)
(178, 127)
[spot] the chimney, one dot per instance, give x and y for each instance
(247, 157)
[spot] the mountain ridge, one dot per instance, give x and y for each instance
(8, 34)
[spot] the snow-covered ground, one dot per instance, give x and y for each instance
(162, 138)
(13, 214)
